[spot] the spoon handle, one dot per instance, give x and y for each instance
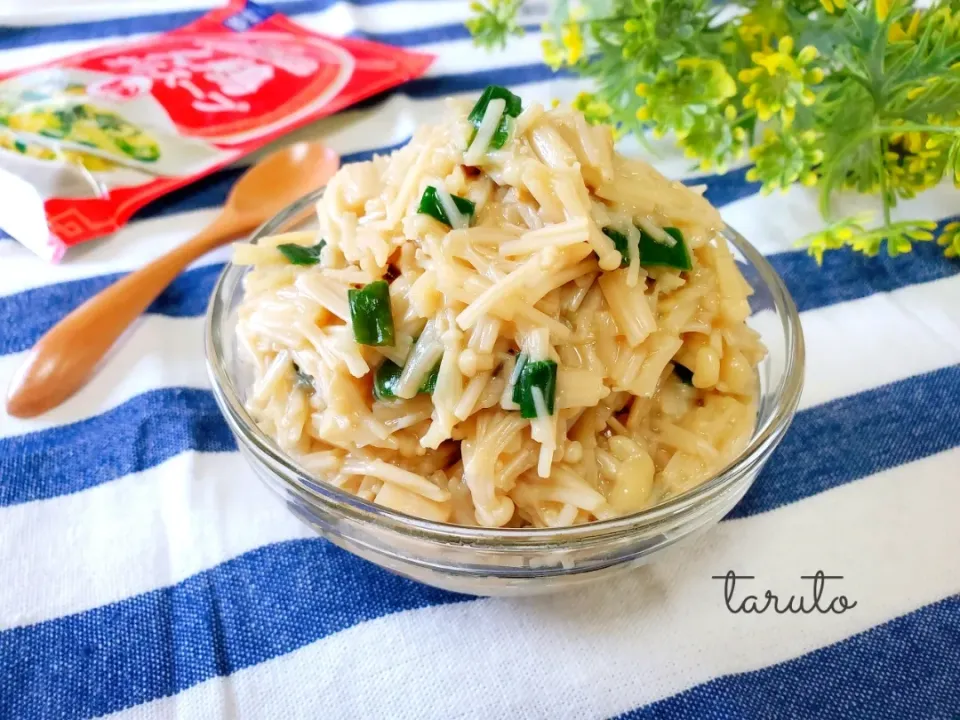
(62, 360)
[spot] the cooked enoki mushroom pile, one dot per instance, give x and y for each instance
(504, 323)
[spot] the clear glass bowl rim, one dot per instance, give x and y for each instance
(786, 394)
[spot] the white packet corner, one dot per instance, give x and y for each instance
(22, 217)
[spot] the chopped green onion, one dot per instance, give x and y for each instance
(653, 253)
(370, 314)
(621, 243)
(301, 255)
(303, 380)
(387, 375)
(143, 153)
(385, 380)
(514, 106)
(429, 383)
(540, 374)
(515, 376)
(656, 253)
(431, 205)
(683, 373)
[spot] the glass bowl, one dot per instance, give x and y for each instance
(486, 561)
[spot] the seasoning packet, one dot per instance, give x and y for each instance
(88, 139)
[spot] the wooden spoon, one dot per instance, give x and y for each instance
(66, 356)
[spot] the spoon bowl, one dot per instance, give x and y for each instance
(280, 179)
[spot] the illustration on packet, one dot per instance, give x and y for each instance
(100, 134)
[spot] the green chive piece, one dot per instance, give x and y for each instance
(683, 373)
(656, 253)
(385, 381)
(540, 374)
(20, 146)
(621, 243)
(143, 153)
(303, 380)
(430, 205)
(387, 375)
(653, 253)
(513, 109)
(517, 370)
(300, 254)
(429, 383)
(370, 314)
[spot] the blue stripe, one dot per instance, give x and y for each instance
(858, 436)
(907, 669)
(24, 317)
(138, 435)
(424, 36)
(273, 600)
(117, 28)
(442, 85)
(157, 425)
(261, 605)
(212, 190)
(132, 26)
(845, 275)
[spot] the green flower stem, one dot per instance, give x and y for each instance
(884, 194)
(915, 127)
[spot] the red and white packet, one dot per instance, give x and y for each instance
(199, 97)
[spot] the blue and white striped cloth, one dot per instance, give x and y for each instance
(144, 571)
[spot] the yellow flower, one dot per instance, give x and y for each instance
(571, 48)
(832, 6)
(765, 21)
(779, 81)
(594, 110)
(572, 40)
(552, 55)
(721, 84)
(883, 9)
(782, 159)
(754, 35)
(898, 33)
(950, 239)
(679, 97)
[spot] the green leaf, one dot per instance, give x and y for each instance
(371, 315)
(430, 205)
(300, 254)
